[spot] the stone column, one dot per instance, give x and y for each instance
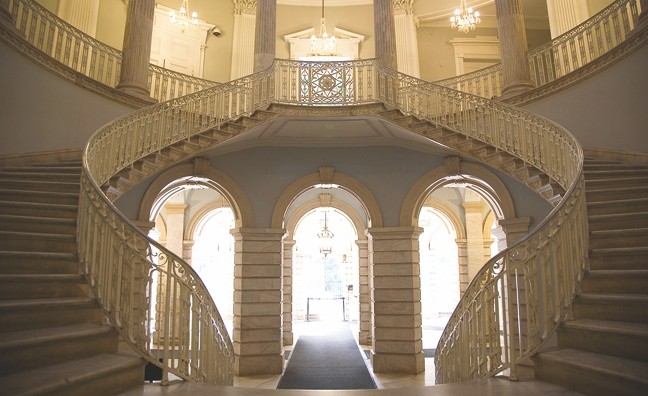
(396, 298)
(257, 339)
(364, 294)
(265, 37)
(82, 14)
(243, 43)
(406, 38)
(564, 15)
(287, 259)
(133, 79)
(516, 77)
(462, 250)
(385, 33)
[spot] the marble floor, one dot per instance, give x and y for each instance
(387, 384)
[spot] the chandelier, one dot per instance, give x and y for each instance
(323, 45)
(464, 19)
(325, 239)
(182, 18)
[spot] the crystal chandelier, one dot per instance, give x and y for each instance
(326, 239)
(323, 45)
(182, 19)
(464, 19)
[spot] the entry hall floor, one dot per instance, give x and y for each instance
(388, 384)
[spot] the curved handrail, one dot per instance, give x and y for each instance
(90, 57)
(566, 53)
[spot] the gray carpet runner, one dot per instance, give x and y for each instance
(328, 361)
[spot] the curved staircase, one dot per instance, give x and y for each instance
(603, 349)
(52, 336)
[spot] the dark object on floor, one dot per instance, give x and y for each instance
(330, 361)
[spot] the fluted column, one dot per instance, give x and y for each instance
(243, 43)
(564, 15)
(406, 39)
(6, 19)
(265, 37)
(396, 297)
(137, 49)
(513, 48)
(82, 14)
(385, 33)
(257, 338)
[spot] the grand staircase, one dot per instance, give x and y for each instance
(52, 336)
(603, 350)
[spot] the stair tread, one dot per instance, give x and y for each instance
(39, 204)
(627, 328)
(616, 215)
(640, 231)
(618, 201)
(50, 378)
(40, 277)
(40, 219)
(40, 255)
(44, 302)
(24, 338)
(627, 297)
(633, 369)
(40, 235)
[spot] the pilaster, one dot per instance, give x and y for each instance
(516, 77)
(243, 43)
(287, 279)
(133, 79)
(473, 212)
(265, 37)
(257, 338)
(565, 15)
(406, 38)
(396, 298)
(82, 14)
(364, 294)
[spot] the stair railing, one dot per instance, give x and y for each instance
(90, 57)
(158, 302)
(518, 299)
(153, 298)
(562, 55)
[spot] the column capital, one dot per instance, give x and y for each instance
(394, 232)
(245, 7)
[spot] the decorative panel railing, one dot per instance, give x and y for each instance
(563, 55)
(90, 57)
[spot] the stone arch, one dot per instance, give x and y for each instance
(444, 208)
(454, 171)
(327, 176)
(193, 222)
(226, 186)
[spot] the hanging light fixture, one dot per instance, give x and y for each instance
(182, 18)
(325, 239)
(324, 45)
(464, 18)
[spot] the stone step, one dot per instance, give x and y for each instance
(51, 168)
(38, 242)
(622, 339)
(591, 373)
(614, 194)
(51, 225)
(611, 306)
(50, 312)
(39, 286)
(39, 209)
(64, 198)
(619, 258)
(630, 237)
(13, 262)
(615, 281)
(625, 173)
(100, 374)
(617, 221)
(621, 182)
(599, 166)
(31, 349)
(618, 206)
(40, 176)
(39, 185)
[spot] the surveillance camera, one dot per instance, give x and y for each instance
(216, 32)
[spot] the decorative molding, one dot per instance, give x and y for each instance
(326, 174)
(403, 7)
(245, 7)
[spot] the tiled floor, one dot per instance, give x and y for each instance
(388, 384)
